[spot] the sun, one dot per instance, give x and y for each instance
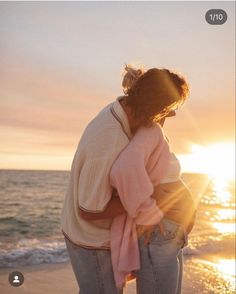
(217, 160)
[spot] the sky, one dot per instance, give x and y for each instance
(62, 62)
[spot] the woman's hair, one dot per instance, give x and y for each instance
(153, 93)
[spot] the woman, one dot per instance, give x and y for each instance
(89, 207)
(146, 163)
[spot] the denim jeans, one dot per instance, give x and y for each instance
(161, 264)
(161, 260)
(92, 269)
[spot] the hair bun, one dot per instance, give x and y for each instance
(131, 75)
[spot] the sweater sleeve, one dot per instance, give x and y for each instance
(95, 191)
(129, 176)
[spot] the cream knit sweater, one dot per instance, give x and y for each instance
(89, 188)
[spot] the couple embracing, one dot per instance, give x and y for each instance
(127, 212)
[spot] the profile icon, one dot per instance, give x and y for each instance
(16, 279)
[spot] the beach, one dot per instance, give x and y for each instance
(71, 69)
(31, 241)
(59, 279)
(43, 278)
(55, 279)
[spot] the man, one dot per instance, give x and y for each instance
(89, 206)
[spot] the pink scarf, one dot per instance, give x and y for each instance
(138, 168)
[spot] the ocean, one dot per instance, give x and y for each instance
(30, 208)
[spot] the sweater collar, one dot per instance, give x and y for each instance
(120, 115)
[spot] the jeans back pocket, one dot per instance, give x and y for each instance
(172, 232)
(162, 237)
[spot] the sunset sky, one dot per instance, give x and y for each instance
(62, 62)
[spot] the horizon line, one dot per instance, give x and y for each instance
(68, 170)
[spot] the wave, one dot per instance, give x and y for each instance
(33, 252)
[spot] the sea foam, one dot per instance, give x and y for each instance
(32, 252)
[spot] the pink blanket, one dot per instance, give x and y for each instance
(139, 167)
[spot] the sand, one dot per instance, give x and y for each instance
(39, 279)
(199, 278)
(48, 279)
(45, 278)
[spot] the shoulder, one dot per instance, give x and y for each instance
(103, 122)
(102, 133)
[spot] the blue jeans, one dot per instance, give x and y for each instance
(161, 261)
(92, 269)
(161, 264)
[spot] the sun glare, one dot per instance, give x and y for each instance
(218, 161)
(226, 266)
(225, 214)
(224, 228)
(222, 268)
